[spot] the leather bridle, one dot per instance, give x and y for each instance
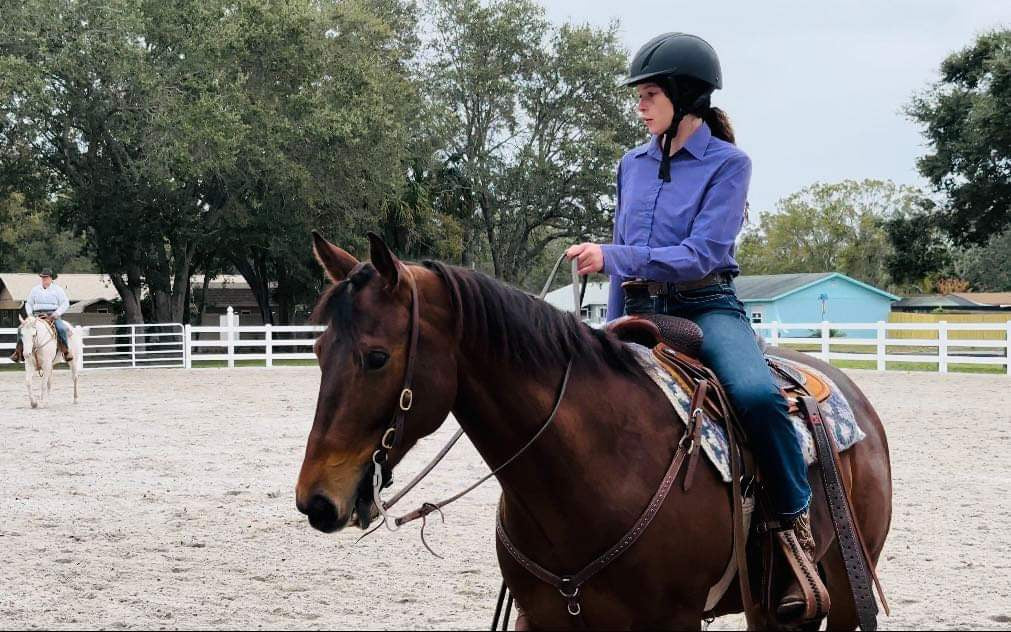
(393, 436)
(382, 474)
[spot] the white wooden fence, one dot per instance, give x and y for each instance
(173, 345)
(878, 348)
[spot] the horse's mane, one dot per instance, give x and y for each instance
(509, 324)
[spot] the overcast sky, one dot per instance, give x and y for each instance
(815, 90)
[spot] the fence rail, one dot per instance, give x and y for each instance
(874, 345)
(870, 342)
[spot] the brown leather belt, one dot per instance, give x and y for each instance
(660, 288)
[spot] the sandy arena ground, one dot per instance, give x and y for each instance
(165, 500)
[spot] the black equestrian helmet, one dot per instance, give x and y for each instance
(675, 54)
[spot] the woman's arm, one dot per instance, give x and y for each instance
(712, 236)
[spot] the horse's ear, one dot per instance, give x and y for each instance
(21, 319)
(384, 260)
(335, 261)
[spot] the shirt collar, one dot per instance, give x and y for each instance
(695, 145)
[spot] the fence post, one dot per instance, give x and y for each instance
(231, 337)
(133, 346)
(1007, 341)
(774, 334)
(881, 345)
(268, 345)
(187, 351)
(942, 346)
(824, 341)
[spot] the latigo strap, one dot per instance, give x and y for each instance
(857, 566)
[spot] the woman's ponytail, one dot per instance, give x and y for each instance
(719, 124)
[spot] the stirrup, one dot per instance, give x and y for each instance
(807, 588)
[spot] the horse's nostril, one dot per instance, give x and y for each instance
(322, 513)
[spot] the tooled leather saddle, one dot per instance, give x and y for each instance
(677, 344)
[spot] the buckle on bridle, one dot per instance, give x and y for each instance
(406, 399)
(391, 429)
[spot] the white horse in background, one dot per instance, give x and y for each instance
(39, 339)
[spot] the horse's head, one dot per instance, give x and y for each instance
(363, 356)
(26, 333)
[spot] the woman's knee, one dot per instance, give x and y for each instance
(759, 400)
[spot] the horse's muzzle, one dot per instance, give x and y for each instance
(323, 514)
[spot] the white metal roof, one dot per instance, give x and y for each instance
(79, 287)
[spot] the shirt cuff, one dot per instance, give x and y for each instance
(625, 261)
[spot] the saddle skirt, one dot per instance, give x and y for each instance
(793, 379)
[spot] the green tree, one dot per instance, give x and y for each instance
(967, 123)
(30, 241)
(534, 125)
(170, 130)
(323, 97)
(829, 228)
(988, 267)
(105, 109)
(921, 252)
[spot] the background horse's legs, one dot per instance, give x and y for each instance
(78, 362)
(29, 369)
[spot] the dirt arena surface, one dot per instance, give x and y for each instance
(165, 500)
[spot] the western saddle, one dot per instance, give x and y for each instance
(677, 345)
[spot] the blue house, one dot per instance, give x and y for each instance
(786, 298)
(812, 298)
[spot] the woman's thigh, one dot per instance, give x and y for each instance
(730, 348)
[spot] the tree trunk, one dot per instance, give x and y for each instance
(183, 256)
(255, 275)
(129, 292)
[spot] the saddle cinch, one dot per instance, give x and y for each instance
(676, 344)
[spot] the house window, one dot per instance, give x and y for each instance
(102, 310)
(756, 317)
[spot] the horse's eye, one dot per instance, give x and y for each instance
(376, 359)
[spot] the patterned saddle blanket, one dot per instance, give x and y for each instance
(834, 408)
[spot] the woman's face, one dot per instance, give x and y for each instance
(655, 109)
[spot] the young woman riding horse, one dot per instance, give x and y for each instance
(405, 345)
(681, 204)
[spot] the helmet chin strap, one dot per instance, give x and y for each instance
(697, 104)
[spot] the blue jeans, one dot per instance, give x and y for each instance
(730, 348)
(61, 331)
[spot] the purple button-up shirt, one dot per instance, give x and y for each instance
(682, 230)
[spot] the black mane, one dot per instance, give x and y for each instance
(511, 325)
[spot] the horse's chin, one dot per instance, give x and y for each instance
(364, 512)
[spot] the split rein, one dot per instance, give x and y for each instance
(393, 435)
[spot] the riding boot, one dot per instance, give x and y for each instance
(791, 607)
(65, 350)
(19, 352)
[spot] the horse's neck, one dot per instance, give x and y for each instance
(608, 438)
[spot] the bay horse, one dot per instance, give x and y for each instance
(495, 358)
(41, 355)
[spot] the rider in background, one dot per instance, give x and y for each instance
(681, 203)
(48, 301)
